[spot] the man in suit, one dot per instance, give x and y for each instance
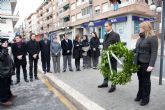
(19, 50)
(45, 54)
(66, 45)
(33, 50)
(110, 38)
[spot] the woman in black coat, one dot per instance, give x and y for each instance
(95, 51)
(6, 71)
(77, 52)
(146, 54)
(19, 50)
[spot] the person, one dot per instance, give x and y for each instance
(55, 49)
(6, 71)
(45, 54)
(146, 54)
(77, 51)
(95, 51)
(66, 45)
(19, 50)
(110, 38)
(85, 51)
(33, 50)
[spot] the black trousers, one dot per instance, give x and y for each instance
(18, 72)
(46, 64)
(77, 63)
(33, 63)
(5, 92)
(114, 67)
(144, 82)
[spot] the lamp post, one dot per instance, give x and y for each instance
(91, 23)
(159, 9)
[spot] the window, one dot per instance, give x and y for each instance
(73, 6)
(73, 18)
(86, 11)
(105, 7)
(97, 9)
(79, 15)
(136, 27)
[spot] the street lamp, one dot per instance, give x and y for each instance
(159, 9)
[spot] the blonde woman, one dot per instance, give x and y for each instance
(146, 54)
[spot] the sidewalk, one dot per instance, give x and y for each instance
(82, 87)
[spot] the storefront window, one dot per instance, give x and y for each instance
(136, 27)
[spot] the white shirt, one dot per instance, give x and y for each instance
(109, 32)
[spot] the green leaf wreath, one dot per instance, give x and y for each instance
(128, 67)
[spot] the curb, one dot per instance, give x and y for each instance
(78, 99)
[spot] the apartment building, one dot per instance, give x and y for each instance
(7, 17)
(59, 17)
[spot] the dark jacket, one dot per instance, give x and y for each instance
(77, 50)
(33, 47)
(19, 50)
(146, 50)
(94, 43)
(85, 43)
(110, 38)
(66, 46)
(6, 64)
(55, 48)
(45, 50)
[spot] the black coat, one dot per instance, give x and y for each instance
(94, 43)
(33, 47)
(66, 46)
(6, 64)
(110, 38)
(22, 50)
(77, 50)
(45, 49)
(146, 50)
(85, 43)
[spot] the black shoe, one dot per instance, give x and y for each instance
(137, 99)
(36, 78)
(79, 70)
(26, 80)
(144, 102)
(112, 89)
(71, 70)
(31, 79)
(18, 82)
(102, 85)
(64, 71)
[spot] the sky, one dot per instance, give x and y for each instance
(25, 8)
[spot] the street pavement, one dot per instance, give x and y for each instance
(86, 82)
(34, 96)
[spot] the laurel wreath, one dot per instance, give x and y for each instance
(128, 67)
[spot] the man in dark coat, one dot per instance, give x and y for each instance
(45, 54)
(110, 38)
(33, 49)
(19, 50)
(6, 71)
(66, 45)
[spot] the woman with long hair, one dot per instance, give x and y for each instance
(77, 51)
(146, 54)
(95, 51)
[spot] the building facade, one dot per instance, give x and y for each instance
(71, 17)
(7, 17)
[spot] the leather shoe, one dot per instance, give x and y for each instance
(102, 85)
(7, 104)
(112, 89)
(144, 102)
(137, 99)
